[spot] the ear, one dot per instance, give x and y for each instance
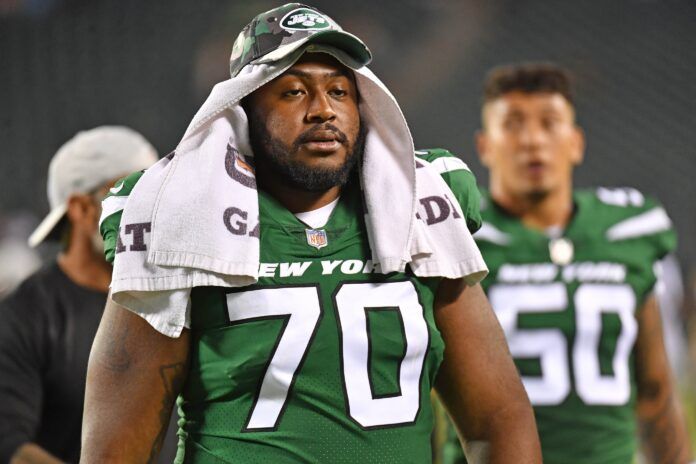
(481, 141)
(78, 207)
(579, 149)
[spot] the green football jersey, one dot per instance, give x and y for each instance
(461, 181)
(322, 360)
(110, 220)
(568, 306)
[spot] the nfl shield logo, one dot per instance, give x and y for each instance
(316, 238)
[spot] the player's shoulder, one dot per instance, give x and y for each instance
(112, 210)
(442, 160)
(123, 187)
(623, 212)
(458, 178)
(115, 200)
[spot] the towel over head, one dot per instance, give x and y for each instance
(183, 205)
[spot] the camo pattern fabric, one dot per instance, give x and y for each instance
(274, 28)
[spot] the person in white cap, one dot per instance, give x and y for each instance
(50, 320)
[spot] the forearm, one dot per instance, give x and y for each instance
(664, 437)
(133, 378)
(662, 426)
(512, 438)
(128, 427)
(509, 436)
(30, 453)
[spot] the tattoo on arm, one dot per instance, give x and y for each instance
(173, 376)
(117, 358)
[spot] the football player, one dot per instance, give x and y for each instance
(571, 280)
(323, 359)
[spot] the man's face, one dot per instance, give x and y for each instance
(305, 125)
(84, 210)
(97, 197)
(530, 143)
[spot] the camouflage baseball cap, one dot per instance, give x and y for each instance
(280, 31)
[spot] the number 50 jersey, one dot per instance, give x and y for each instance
(568, 307)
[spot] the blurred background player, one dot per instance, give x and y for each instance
(50, 320)
(572, 280)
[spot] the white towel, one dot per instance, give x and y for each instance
(187, 202)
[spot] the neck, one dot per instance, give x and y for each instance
(552, 210)
(298, 200)
(81, 263)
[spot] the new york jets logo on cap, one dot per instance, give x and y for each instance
(304, 19)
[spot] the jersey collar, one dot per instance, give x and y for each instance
(345, 213)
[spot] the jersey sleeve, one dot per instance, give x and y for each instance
(640, 226)
(460, 180)
(636, 217)
(112, 210)
(665, 241)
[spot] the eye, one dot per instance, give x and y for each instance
(293, 93)
(549, 123)
(338, 92)
(513, 123)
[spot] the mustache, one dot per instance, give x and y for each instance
(309, 134)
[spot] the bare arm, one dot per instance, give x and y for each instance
(663, 429)
(478, 382)
(133, 378)
(31, 453)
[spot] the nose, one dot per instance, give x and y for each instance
(320, 109)
(532, 135)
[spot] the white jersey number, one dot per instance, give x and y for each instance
(301, 307)
(352, 302)
(551, 347)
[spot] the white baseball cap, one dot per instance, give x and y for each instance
(87, 161)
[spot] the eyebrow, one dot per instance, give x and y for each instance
(306, 75)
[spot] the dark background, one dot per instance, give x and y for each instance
(67, 65)
(70, 65)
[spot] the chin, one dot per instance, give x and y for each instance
(324, 161)
(309, 155)
(537, 194)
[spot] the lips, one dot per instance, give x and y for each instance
(535, 168)
(324, 139)
(317, 145)
(322, 136)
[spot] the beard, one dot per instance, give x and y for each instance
(537, 196)
(274, 157)
(97, 243)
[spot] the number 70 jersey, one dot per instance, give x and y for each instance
(323, 360)
(569, 310)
